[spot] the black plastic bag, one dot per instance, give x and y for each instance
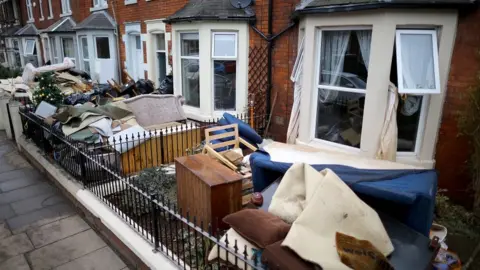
(81, 73)
(77, 98)
(166, 86)
(144, 86)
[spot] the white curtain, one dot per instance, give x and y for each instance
(417, 61)
(365, 39)
(387, 149)
(296, 78)
(334, 47)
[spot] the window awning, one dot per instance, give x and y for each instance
(329, 6)
(27, 30)
(99, 20)
(197, 10)
(65, 24)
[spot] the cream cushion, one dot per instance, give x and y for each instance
(321, 204)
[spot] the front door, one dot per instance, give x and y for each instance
(104, 60)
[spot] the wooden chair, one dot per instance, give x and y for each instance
(231, 132)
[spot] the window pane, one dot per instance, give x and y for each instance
(103, 48)
(68, 49)
(86, 66)
(160, 41)
(224, 45)
(138, 42)
(162, 66)
(191, 82)
(224, 84)
(189, 44)
(408, 119)
(29, 46)
(47, 49)
(340, 121)
(84, 47)
(344, 58)
(418, 69)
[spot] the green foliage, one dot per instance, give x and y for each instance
(456, 218)
(47, 90)
(156, 181)
(469, 125)
(6, 72)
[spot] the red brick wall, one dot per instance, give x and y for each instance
(284, 53)
(452, 152)
(140, 12)
(56, 9)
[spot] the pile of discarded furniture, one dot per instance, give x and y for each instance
(311, 209)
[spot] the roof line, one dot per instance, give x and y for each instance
(382, 4)
(210, 18)
(55, 28)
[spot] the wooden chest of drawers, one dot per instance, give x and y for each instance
(207, 189)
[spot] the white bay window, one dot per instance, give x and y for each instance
(210, 67)
(345, 84)
(343, 72)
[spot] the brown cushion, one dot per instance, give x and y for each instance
(283, 258)
(258, 227)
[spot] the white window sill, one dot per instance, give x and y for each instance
(130, 2)
(404, 158)
(50, 17)
(41, 19)
(66, 14)
(92, 9)
(31, 21)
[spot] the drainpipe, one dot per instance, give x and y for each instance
(270, 38)
(116, 32)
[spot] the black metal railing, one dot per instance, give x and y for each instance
(182, 238)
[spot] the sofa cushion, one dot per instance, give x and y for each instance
(257, 226)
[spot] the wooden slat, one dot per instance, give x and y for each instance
(231, 126)
(223, 135)
(222, 144)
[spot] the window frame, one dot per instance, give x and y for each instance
(62, 50)
(214, 58)
(50, 10)
(95, 49)
(214, 33)
(66, 7)
(26, 45)
(46, 49)
(422, 119)
(436, 67)
(182, 57)
(316, 85)
(156, 51)
(29, 11)
(82, 55)
(40, 6)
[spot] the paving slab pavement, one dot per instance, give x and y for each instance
(39, 228)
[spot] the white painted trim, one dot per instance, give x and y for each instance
(130, 2)
(66, 14)
(92, 9)
(401, 88)
(113, 222)
(205, 30)
(50, 10)
(234, 57)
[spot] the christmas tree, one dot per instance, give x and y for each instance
(47, 90)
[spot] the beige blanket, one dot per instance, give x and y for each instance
(320, 204)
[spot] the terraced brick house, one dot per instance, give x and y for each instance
(224, 57)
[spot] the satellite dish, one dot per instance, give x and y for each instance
(240, 3)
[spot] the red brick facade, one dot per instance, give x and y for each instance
(452, 152)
